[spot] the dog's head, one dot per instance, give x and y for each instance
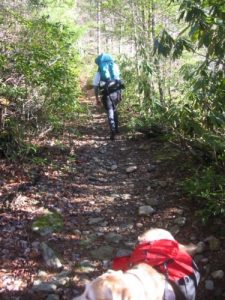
(109, 286)
(155, 234)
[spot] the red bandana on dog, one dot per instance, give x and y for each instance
(167, 258)
(156, 254)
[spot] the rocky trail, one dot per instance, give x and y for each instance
(84, 199)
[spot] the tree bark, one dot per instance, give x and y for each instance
(98, 26)
(156, 61)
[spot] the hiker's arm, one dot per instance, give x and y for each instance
(96, 81)
(96, 89)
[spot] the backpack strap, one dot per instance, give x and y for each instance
(167, 293)
(177, 292)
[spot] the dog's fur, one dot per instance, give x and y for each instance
(141, 282)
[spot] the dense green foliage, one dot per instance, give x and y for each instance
(208, 188)
(204, 86)
(39, 76)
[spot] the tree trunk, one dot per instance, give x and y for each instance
(156, 61)
(99, 26)
(135, 37)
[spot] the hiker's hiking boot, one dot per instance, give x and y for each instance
(112, 135)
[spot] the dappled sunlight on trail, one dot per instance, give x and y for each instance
(107, 193)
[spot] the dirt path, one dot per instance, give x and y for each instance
(100, 188)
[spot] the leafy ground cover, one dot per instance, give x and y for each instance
(67, 212)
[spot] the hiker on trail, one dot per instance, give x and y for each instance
(108, 85)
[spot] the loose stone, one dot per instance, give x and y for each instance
(49, 256)
(114, 167)
(145, 210)
(131, 169)
(52, 297)
(44, 287)
(102, 253)
(181, 221)
(219, 274)
(209, 285)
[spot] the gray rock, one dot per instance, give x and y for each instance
(46, 287)
(77, 231)
(49, 256)
(131, 169)
(102, 180)
(151, 168)
(114, 167)
(61, 279)
(93, 221)
(52, 297)
(127, 226)
(209, 285)
(126, 197)
(219, 274)
(146, 210)
(85, 263)
(96, 159)
(181, 221)
(102, 150)
(86, 269)
(103, 171)
(113, 237)
(42, 274)
(155, 201)
(100, 234)
(123, 252)
(102, 253)
(200, 247)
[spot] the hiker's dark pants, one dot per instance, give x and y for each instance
(110, 103)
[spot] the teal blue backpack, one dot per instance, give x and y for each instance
(106, 67)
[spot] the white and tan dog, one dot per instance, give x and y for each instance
(141, 282)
